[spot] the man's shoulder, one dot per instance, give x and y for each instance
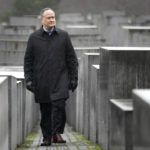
(61, 31)
(36, 32)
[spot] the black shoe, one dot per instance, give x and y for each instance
(58, 139)
(46, 142)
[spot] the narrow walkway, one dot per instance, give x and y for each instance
(75, 141)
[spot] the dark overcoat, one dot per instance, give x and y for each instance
(50, 63)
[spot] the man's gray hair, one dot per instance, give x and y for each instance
(43, 10)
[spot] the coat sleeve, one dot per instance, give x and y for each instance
(28, 61)
(71, 60)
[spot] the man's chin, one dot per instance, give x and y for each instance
(51, 25)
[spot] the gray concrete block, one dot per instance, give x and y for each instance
(19, 30)
(79, 93)
(94, 112)
(121, 70)
(141, 122)
(143, 19)
(14, 38)
(15, 71)
(26, 116)
(12, 94)
(20, 113)
(81, 90)
(111, 30)
(12, 52)
(11, 58)
(82, 29)
(87, 40)
(66, 19)
(10, 45)
(74, 104)
(25, 21)
(84, 35)
(88, 60)
(31, 112)
(12, 112)
(79, 99)
(4, 122)
(113, 13)
(136, 35)
(120, 124)
(71, 109)
(81, 50)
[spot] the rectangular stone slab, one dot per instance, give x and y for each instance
(93, 100)
(88, 60)
(136, 35)
(120, 126)
(141, 121)
(121, 70)
(4, 123)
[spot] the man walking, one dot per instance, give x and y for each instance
(51, 70)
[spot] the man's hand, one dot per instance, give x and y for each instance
(73, 85)
(29, 86)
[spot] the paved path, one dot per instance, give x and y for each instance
(75, 141)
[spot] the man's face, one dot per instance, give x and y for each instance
(48, 19)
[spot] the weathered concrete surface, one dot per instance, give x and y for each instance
(13, 37)
(75, 103)
(66, 19)
(71, 109)
(12, 112)
(141, 122)
(23, 113)
(4, 132)
(84, 63)
(93, 97)
(31, 112)
(136, 35)
(121, 70)
(81, 50)
(19, 30)
(11, 90)
(110, 25)
(84, 35)
(120, 124)
(12, 50)
(20, 114)
(15, 71)
(32, 21)
(88, 60)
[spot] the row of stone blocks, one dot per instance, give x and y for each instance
(18, 113)
(129, 122)
(12, 47)
(111, 73)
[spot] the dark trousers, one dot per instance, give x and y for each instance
(53, 118)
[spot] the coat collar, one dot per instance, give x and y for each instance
(42, 31)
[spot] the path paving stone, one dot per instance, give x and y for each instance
(75, 141)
